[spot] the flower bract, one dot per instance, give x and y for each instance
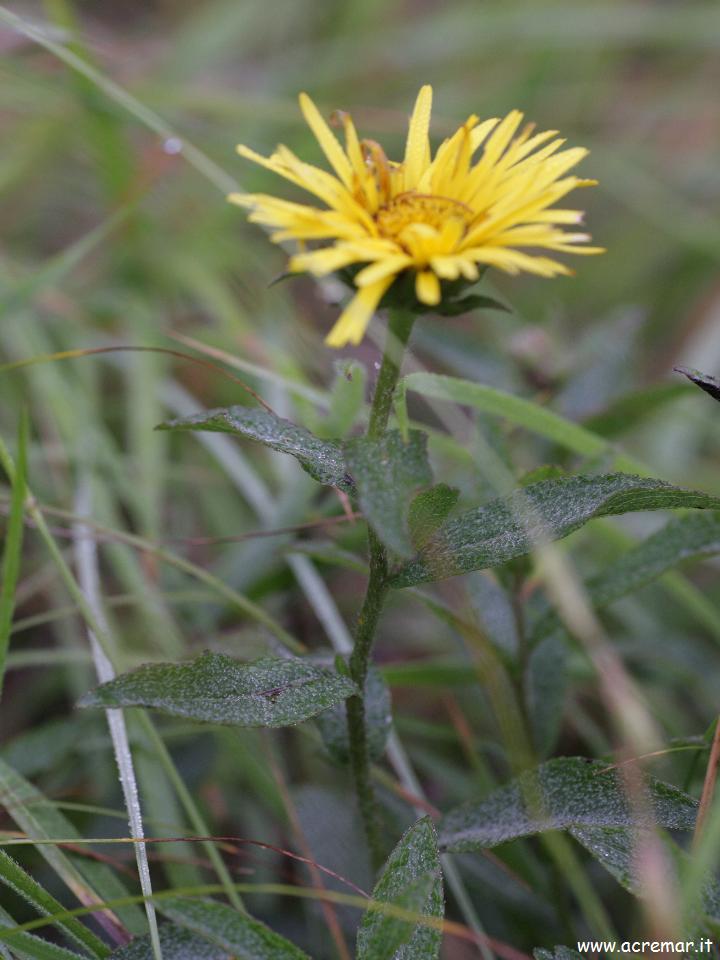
(485, 199)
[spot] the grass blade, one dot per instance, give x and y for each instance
(13, 546)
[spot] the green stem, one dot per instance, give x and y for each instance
(399, 328)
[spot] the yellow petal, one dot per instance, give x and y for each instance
(513, 261)
(417, 148)
(450, 267)
(356, 316)
(270, 163)
(427, 288)
(382, 268)
(480, 133)
(327, 140)
(321, 262)
(501, 137)
(447, 268)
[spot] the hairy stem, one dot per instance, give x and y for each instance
(399, 327)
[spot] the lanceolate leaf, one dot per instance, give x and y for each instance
(531, 416)
(429, 510)
(241, 936)
(562, 794)
(388, 471)
(214, 688)
(614, 848)
(13, 875)
(544, 686)
(26, 946)
(682, 540)
(512, 526)
(93, 881)
(378, 720)
(411, 880)
(322, 459)
(176, 943)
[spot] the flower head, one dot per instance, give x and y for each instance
(436, 219)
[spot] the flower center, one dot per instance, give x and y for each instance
(408, 208)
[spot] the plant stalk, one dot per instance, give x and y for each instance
(399, 328)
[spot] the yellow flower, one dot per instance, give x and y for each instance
(435, 217)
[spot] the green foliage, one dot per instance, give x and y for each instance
(512, 526)
(387, 472)
(177, 944)
(40, 819)
(214, 688)
(27, 946)
(567, 793)
(322, 459)
(113, 176)
(428, 510)
(682, 540)
(244, 937)
(412, 881)
(378, 720)
(13, 876)
(13, 545)
(530, 416)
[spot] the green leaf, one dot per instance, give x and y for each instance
(524, 413)
(378, 720)
(214, 688)
(565, 793)
(177, 944)
(26, 946)
(242, 936)
(682, 540)
(494, 610)
(13, 876)
(474, 301)
(12, 549)
(430, 672)
(41, 820)
(387, 472)
(615, 849)
(37, 750)
(512, 526)
(428, 511)
(412, 881)
(545, 685)
(322, 459)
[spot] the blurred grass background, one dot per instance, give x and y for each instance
(114, 231)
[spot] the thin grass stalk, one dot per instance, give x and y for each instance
(88, 577)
